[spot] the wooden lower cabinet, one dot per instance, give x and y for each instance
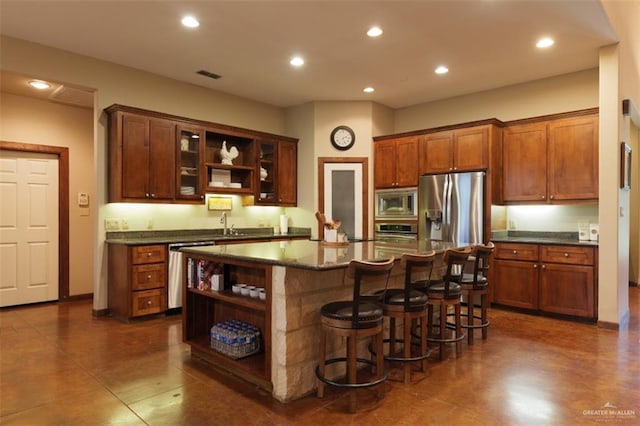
(556, 279)
(515, 283)
(137, 280)
(204, 308)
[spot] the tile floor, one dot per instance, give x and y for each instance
(61, 366)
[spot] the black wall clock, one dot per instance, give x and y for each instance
(342, 138)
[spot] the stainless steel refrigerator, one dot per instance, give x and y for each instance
(451, 207)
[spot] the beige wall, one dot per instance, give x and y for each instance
(40, 122)
(563, 93)
(634, 226)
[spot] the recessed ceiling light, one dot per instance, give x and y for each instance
(39, 84)
(374, 32)
(190, 21)
(441, 69)
(545, 42)
(368, 89)
(297, 61)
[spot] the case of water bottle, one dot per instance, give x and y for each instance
(235, 338)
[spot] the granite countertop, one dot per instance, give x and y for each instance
(535, 237)
(200, 235)
(317, 255)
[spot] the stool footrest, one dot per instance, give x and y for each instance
(401, 358)
(379, 380)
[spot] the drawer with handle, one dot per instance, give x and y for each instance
(149, 254)
(148, 276)
(567, 254)
(515, 251)
(148, 302)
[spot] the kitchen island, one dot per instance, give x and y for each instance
(298, 277)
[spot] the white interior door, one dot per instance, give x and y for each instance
(343, 196)
(28, 227)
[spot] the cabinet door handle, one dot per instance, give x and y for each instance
(566, 255)
(515, 252)
(535, 266)
(551, 197)
(148, 277)
(544, 267)
(146, 195)
(149, 254)
(148, 302)
(542, 198)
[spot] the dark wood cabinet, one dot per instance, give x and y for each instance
(573, 159)
(396, 162)
(457, 150)
(557, 279)
(204, 308)
(137, 280)
(141, 158)
(551, 161)
(524, 163)
(156, 157)
(189, 172)
(287, 166)
(278, 168)
(515, 275)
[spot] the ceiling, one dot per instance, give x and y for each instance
(485, 43)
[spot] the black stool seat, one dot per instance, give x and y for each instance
(396, 296)
(439, 291)
(369, 314)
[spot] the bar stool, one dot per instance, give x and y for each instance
(355, 319)
(445, 294)
(409, 306)
(477, 284)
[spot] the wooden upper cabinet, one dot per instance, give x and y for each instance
(156, 157)
(551, 161)
(455, 150)
(436, 153)
(524, 163)
(396, 162)
(573, 159)
(143, 164)
(287, 167)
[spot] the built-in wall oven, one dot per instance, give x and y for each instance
(396, 232)
(174, 285)
(396, 204)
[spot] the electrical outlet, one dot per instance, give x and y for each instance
(111, 224)
(124, 224)
(149, 223)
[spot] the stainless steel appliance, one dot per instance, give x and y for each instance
(396, 232)
(452, 207)
(396, 204)
(174, 285)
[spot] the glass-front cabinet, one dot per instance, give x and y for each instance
(267, 162)
(189, 152)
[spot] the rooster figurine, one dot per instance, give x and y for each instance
(228, 155)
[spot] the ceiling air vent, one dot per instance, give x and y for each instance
(209, 74)
(73, 96)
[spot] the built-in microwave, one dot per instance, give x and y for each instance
(397, 203)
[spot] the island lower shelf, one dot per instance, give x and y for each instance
(202, 309)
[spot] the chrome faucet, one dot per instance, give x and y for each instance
(223, 220)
